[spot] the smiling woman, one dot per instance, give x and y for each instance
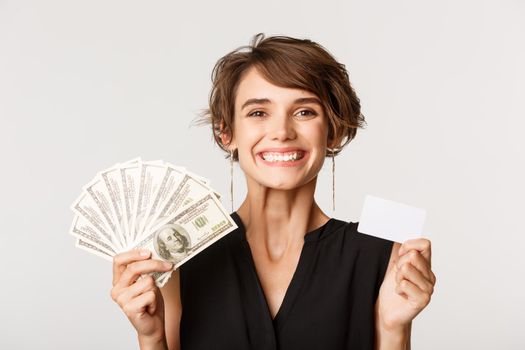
(291, 63)
(289, 277)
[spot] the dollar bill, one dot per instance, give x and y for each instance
(86, 207)
(98, 191)
(188, 232)
(112, 180)
(149, 204)
(81, 228)
(186, 192)
(130, 176)
(84, 245)
(150, 173)
(204, 181)
(169, 183)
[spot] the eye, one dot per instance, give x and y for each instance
(307, 113)
(259, 114)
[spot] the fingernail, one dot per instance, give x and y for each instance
(144, 252)
(168, 265)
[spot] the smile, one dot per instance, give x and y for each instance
(282, 156)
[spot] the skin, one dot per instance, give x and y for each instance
(277, 212)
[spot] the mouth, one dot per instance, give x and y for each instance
(290, 157)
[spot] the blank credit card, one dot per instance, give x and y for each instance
(391, 220)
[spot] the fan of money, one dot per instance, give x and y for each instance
(149, 205)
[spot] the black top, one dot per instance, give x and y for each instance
(329, 303)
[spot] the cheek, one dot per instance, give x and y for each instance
(246, 137)
(316, 134)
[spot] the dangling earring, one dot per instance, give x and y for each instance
(231, 178)
(333, 179)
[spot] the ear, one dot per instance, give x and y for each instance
(226, 139)
(335, 142)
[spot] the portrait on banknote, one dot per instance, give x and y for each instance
(171, 242)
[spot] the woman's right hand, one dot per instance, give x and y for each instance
(139, 297)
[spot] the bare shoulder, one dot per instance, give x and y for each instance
(172, 310)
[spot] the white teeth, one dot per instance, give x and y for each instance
(281, 157)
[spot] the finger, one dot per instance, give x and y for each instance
(137, 306)
(422, 245)
(143, 284)
(121, 260)
(410, 273)
(416, 296)
(150, 309)
(137, 268)
(415, 258)
(433, 278)
(153, 306)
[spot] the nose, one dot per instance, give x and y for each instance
(281, 128)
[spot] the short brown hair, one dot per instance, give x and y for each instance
(292, 63)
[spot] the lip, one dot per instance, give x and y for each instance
(283, 150)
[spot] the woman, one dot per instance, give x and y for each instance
(290, 277)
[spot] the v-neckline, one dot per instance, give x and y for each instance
(298, 275)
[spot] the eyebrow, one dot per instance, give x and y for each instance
(253, 101)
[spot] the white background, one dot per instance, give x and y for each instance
(86, 84)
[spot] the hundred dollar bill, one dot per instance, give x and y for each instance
(150, 173)
(154, 205)
(201, 179)
(170, 181)
(99, 193)
(86, 207)
(161, 278)
(113, 181)
(186, 192)
(81, 228)
(190, 230)
(82, 244)
(130, 176)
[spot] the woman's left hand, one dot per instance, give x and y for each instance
(407, 286)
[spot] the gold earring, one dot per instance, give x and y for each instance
(333, 179)
(231, 178)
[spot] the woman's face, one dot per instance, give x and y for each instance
(280, 133)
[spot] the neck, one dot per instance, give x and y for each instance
(279, 219)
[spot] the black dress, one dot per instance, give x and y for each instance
(329, 303)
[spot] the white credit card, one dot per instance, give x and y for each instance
(391, 220)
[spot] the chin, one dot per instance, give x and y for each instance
(282, 184)
(277, 180)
